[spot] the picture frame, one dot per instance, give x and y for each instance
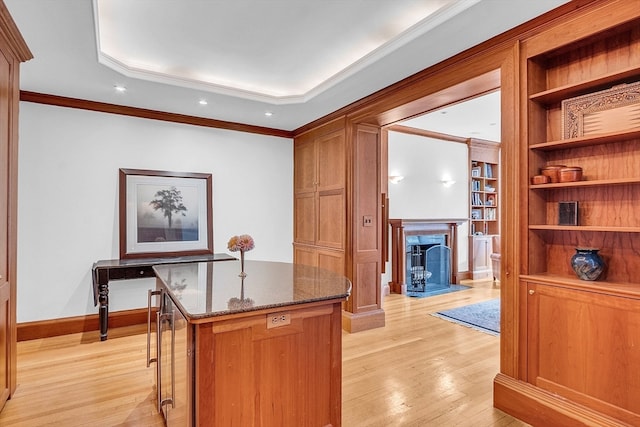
(610, 110)
(568, 213)
(165, 214)
(475, 172)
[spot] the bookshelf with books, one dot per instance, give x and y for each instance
(483, 205)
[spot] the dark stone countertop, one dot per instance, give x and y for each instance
(208, 289)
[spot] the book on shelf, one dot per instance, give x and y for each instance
(488, 170)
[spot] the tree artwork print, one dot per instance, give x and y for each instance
(170, 202)
(167, 214)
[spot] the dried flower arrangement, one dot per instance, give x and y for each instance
(241, 243)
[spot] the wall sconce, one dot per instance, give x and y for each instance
(394, 179)
(447, 182)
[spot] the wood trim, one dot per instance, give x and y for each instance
(363, 321)
(10, 32)
(464, 275)
(540, 408)
(427, 133)
(78, 324)
(83, 104)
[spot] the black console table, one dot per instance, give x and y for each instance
(124, 269)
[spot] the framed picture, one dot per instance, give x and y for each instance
(567, 213)
(165, 214)
(611, 110)
(475, 171)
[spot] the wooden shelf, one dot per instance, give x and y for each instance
(568, 91)
(557, 311)
(623, 289)
(593, 183)
(597, 228)
(585, 141)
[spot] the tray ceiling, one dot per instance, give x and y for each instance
(237, 60)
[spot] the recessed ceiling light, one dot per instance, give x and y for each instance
(119, 88)
(268, 113)
(203, 102)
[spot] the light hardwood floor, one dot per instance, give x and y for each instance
(416, 371)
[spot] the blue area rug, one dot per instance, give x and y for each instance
(482, 316)
(436, 289)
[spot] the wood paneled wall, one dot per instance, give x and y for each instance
(13, 51)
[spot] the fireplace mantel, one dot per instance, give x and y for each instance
(400, 228)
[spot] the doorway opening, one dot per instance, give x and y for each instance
(436, 153)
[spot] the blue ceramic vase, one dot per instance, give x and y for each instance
(587, 263)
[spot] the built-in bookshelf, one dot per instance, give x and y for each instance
(483, 217)
(579, 337)
(484, 179)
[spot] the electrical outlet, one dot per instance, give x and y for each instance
(367, 220)
(275, 320)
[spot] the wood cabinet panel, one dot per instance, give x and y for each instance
(254, 376)
(331, 161)
(306, 255)
(304, 166)
(331, 219)
(328, 259)
(331, 260)
(583, 346)
(320, 205)
(305, 218)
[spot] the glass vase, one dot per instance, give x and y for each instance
(242, 273)
(587, 263)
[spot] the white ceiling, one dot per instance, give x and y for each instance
(476, 118)
(297, 59)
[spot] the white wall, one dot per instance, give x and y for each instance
(424, 163)
(68, 198)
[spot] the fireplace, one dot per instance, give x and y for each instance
(428, 261)
(424, 252)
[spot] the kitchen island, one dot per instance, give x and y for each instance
(259, 350)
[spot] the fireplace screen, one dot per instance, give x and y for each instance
(428, 262)
(439, 264)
